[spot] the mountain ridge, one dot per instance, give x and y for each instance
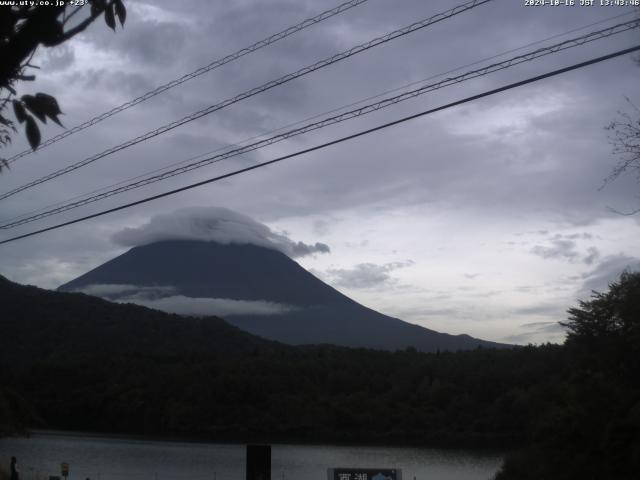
(319, 315)
(38, 324)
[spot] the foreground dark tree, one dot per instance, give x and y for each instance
(614, 315)
(14, 412)
(625, 140)
(593, 429)
(23, 28)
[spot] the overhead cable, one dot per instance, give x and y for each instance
(196, 73)
(254, 91)
(366, 109)
(327, 144)
(313, 117)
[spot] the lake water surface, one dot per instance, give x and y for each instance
(111, 458)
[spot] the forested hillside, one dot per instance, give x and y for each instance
(42, 324)
(572, 410)
(476, 398)
(15, 413)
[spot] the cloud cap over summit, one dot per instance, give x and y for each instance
(215, 224)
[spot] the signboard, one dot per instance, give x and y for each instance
(64, 469)
(364, 474)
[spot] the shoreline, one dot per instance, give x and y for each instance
(277, 442)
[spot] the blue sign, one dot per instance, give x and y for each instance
(364, 474)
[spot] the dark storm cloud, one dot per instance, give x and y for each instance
(558, 249)
(574, 236)
(365, 275)
(419, 176)
(592, 255)
(153, 42)
(606, 272)
(158, 43)
(300, 249)
(565, 247)
(124, 84)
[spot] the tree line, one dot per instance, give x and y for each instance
(572, 410)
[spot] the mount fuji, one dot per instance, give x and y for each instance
(258, 289)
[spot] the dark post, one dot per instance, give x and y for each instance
(258, 462)
(14, 469)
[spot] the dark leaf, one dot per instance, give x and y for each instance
(51, 32)
(49, 104)
(33, 132)
(35, 106)
(121, 11)
(97, 6)
(56, 120)
(18, 110)
(109, 17)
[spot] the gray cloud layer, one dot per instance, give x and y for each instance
(607, 271)
(565, 247)
(214, 224)
(522, 156)
(532, 157)
(365, 275)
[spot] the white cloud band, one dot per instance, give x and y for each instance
(164, 298)
(215, 224)
(200, 307)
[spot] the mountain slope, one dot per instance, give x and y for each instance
(315, 313)
(208, 269)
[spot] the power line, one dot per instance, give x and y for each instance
(196, 73)
(366, 109)
(313, 117)
(333, 142)
(254, 91)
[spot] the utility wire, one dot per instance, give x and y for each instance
(196, 73)
(333, 142)
(254, 91)
(366, 109)
(318, 115)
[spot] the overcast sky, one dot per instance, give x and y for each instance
(486, 219)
